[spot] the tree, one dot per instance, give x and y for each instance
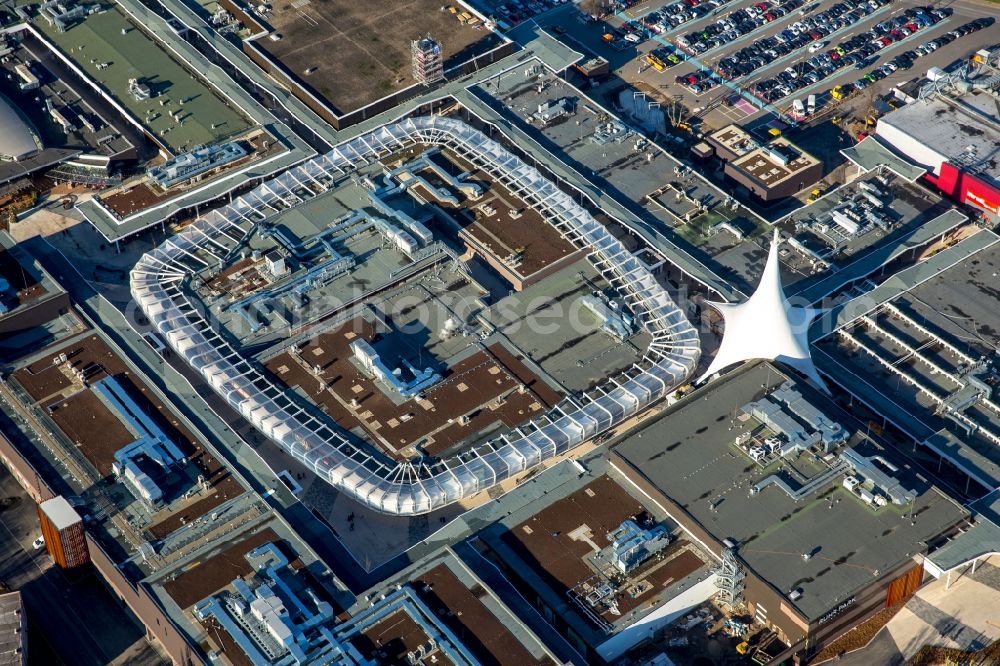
(595, 7)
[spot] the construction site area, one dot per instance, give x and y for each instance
(355, 54)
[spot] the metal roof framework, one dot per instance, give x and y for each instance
(412, 487)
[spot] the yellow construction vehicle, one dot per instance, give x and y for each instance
(682, 391)
(743, 647)
(655, 61)
(815, 194)
(862, 125)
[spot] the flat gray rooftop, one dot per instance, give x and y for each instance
(549, 323)
(689, 454)
(950, 296)
(869, 155)
(633, 172)
(377, 263)
(493, 111)
(964, 301)
(297, 150)
(951, 126)
(983, 538)
(912, 276)
(918, 217)
(47, 157)
(314, 215)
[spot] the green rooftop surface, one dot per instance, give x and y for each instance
(205, 116)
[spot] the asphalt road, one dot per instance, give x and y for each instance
(60, 612)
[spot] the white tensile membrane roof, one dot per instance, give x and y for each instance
(419, 486)
(766, 326)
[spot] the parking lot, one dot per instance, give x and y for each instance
(744, 97)
(643, 73)
(509, 14)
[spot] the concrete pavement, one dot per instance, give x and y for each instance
(960, 616)
(964, 616)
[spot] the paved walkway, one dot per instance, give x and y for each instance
(958, 617)
(882, 651)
